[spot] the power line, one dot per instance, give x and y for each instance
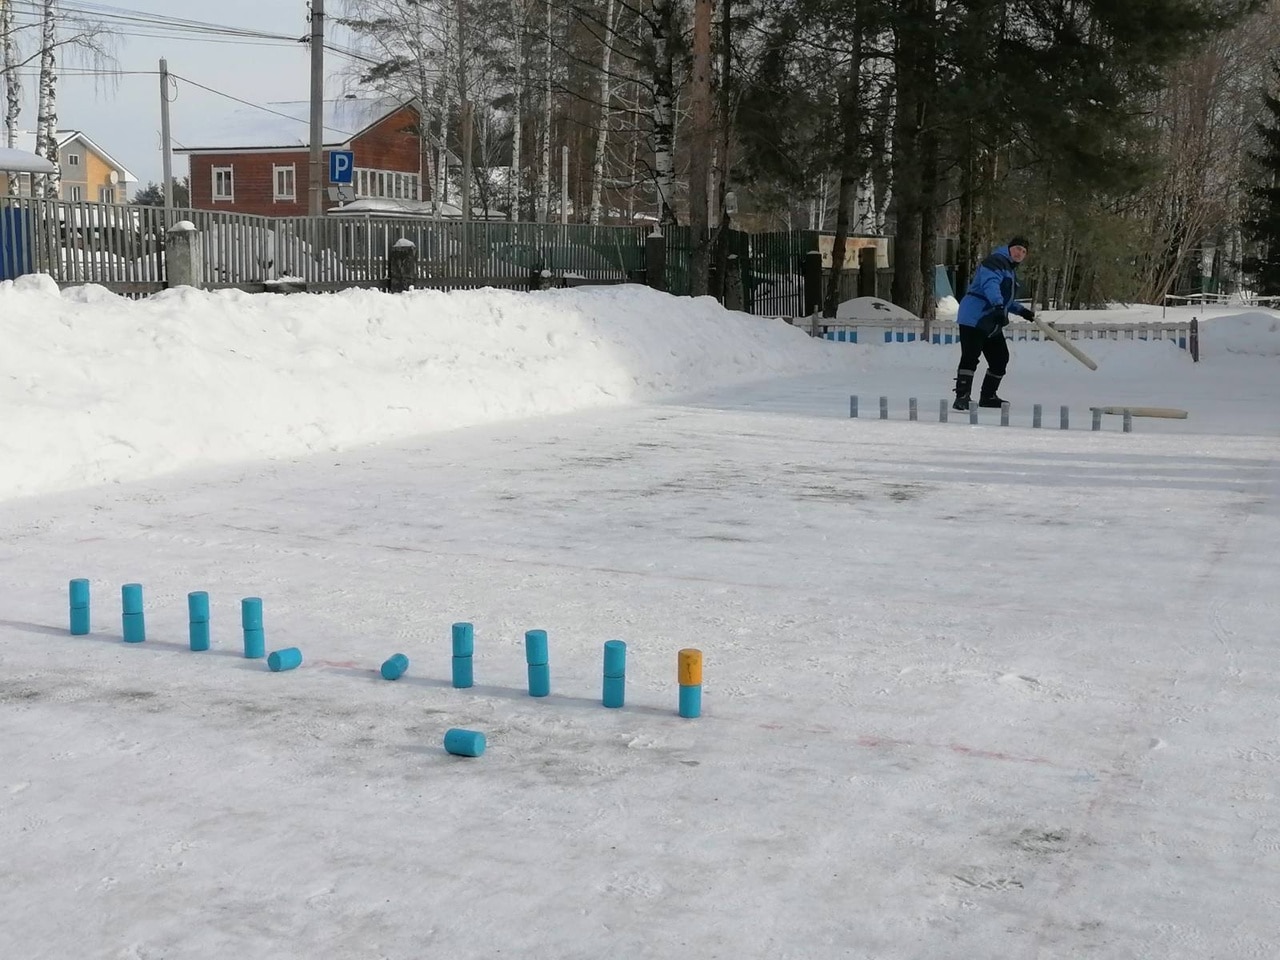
(248, 103)
(163, 26)
(148, 27)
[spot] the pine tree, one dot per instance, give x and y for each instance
(1263, 223)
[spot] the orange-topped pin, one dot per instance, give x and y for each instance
(690, 671)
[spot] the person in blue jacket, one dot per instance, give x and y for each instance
(984, 313)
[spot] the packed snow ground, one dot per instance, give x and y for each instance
(970, 691)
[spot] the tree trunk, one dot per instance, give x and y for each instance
(12, 84)
(602, 130)
(664, 100)
(910, 74)
(47, 114)
(700, 143)
(544, 177)
(720, 244)
(517, 110)
(853, 164)
(440, 189)
(929, 209)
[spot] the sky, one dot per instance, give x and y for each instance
(123, 113)
(968, 690)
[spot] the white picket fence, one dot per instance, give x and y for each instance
(948, 331)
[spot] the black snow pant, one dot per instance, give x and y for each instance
(975, 343)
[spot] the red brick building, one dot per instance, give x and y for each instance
(260, 162)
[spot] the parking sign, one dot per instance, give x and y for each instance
(341, 166)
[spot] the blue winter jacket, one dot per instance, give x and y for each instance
(990, 297)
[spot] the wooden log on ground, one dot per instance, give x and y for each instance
(1166, 413)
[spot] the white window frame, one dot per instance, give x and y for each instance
(387, 184)
(76, 193)
(217, 197)
(291, 169)
(73, 159)
(106, 194)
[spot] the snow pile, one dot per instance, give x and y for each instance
(1254, 333)
(98, 388)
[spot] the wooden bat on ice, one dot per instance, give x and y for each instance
(1167, 413)
(1064, 343)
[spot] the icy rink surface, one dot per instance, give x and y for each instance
(970, 692)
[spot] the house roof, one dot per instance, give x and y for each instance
(26, 140)
(287, 125)
(23, 161)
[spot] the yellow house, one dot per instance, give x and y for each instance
(89, 173)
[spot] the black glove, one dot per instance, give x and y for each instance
(1029, 315)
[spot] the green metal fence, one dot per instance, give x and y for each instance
(774, 278)
(121, 247)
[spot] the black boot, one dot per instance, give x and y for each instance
(964, 384)
(990, 384)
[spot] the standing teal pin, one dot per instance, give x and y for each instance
(255, 643)
(133, 621)
(615, 673)
(79, 603)
(464, 646)
(198, 617)
(535, 651)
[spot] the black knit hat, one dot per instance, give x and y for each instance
(1020, 241)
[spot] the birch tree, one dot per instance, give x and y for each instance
(12, 81)
(662, 21)
(519, 83)
(606, 98)
(48, 184)
(409, 42)
(544, 170)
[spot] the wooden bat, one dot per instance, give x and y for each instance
(1064, 343)
(1167, 413)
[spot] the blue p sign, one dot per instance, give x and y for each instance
(341, 166)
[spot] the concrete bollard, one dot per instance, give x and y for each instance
(464, 743)
(286, 659)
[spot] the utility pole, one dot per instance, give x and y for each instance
(316, 185)
(166, 143)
